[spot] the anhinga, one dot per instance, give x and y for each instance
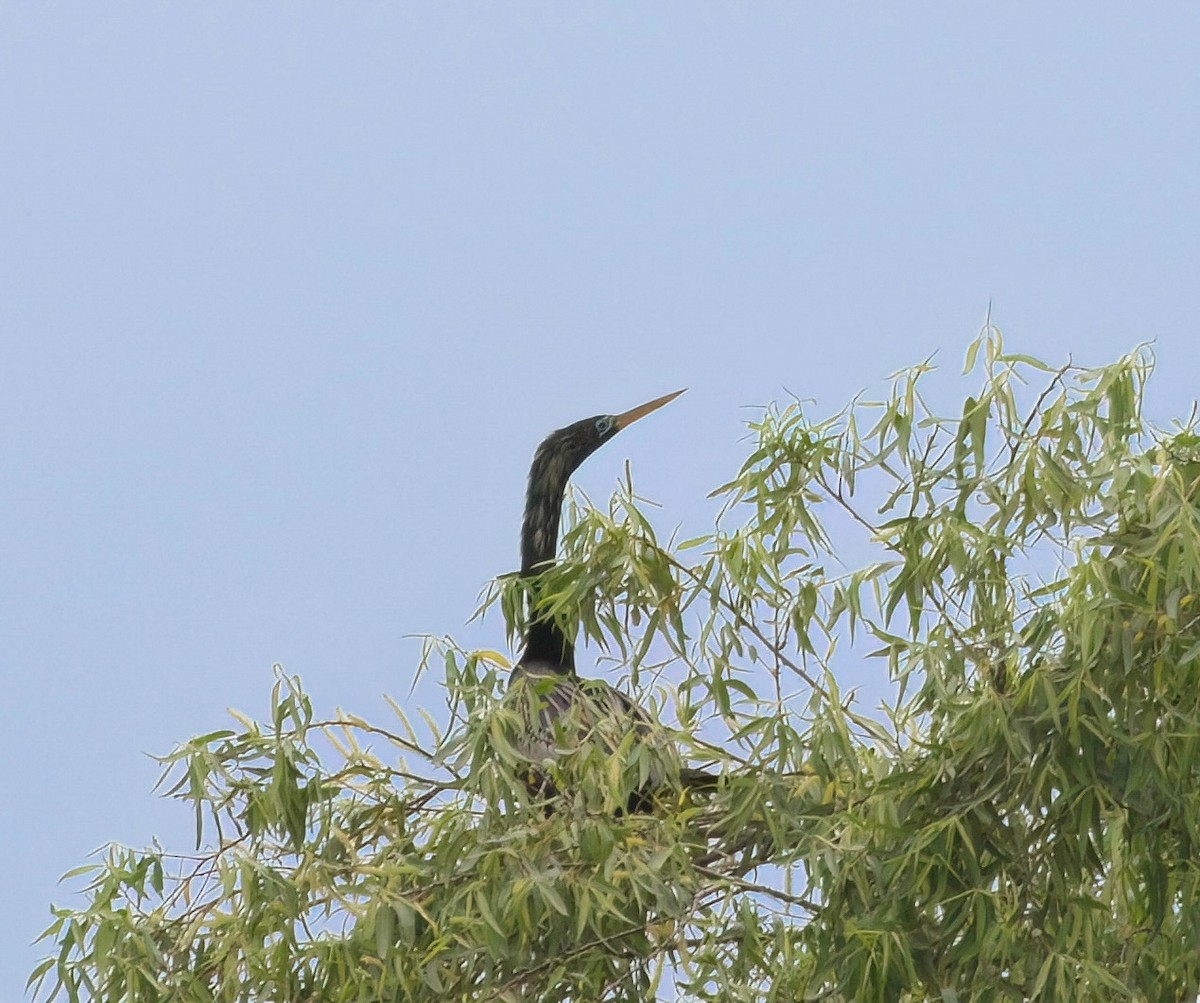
(585, 709)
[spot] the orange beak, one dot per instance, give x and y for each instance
(633, 414)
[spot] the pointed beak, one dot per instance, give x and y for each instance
(633, 414)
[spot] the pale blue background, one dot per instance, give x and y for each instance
(289, 292)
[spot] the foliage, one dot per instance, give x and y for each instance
(1019, 823)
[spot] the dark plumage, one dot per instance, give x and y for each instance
(563, 711)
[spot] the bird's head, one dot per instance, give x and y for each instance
(563, 450)
(555, 460)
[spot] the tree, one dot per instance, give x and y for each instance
(1019, 822)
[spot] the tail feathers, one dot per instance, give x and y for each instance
(693, 779)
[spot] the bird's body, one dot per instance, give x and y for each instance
(562, 714)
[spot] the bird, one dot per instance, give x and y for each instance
(562, 711)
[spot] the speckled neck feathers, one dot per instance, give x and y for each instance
(543, 506)
(555, 460)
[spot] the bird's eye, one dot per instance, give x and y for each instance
(604, 424)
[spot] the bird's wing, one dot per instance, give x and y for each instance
(562, 712)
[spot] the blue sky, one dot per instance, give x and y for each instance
(289, 293)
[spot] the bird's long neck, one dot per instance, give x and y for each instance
(545, 643)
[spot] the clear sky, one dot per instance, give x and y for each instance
(289, 292)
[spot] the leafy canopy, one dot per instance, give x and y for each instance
(1018, 821)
